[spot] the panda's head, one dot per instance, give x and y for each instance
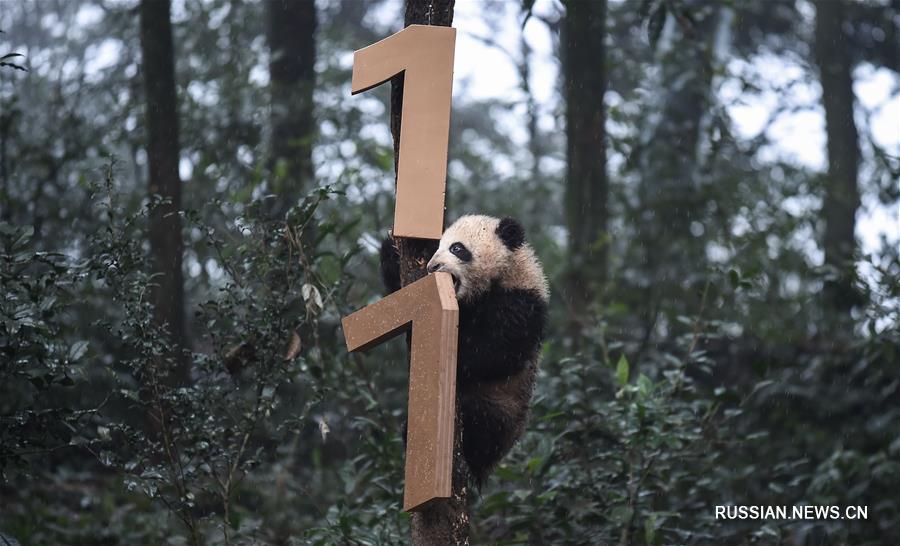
(477, 250)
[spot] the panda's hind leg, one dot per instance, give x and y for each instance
(491, 426)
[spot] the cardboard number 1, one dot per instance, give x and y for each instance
(429, 307)
(425, 55)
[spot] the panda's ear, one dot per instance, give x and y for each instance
(511, 233)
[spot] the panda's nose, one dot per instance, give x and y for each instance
(432, 267)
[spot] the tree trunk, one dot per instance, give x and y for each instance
(587, 188)
(167, 290)
(441, 522)
(292, 46)
(841, 191)
(671, 193)
(6, 123)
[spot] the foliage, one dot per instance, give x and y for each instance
(6, 60)
(614, 458)
(187, 448)
(201, 439)
(37, 364)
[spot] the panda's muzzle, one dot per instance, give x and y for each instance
(435, 267)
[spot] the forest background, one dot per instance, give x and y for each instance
(190, 199)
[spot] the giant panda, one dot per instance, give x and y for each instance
(502, 294)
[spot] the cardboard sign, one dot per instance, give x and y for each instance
(429, 307)
(424, 54)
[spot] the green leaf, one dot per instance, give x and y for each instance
(622, 370)
(620, 514)
(23, 236)
(650, 528)
(644, 384)
(77, 350)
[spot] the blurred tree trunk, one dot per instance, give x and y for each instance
(6, 123)
(536, 145)
(587, 188)
(670, 142)
(167, 291)
(441, 522)
(841, 191)
(291, 35)
(672, 196)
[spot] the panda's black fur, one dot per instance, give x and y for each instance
(501, 326)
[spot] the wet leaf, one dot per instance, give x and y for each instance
(77, 350)
(293, 347)
(622, 370)
(323, 428)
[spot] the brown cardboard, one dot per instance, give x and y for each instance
(425, 55)
(429, 307)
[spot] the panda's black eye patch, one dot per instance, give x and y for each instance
(460, 251)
